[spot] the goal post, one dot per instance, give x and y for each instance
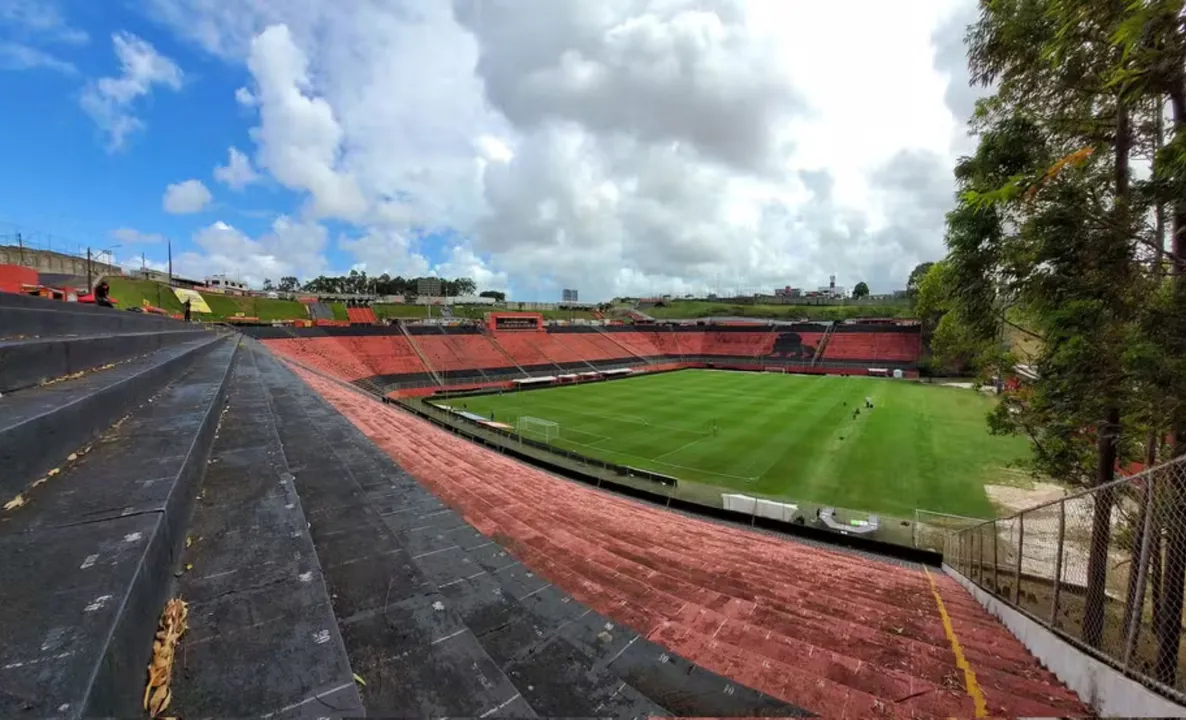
(537, 428)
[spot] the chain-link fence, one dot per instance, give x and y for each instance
(1105, 568)
(931, 529)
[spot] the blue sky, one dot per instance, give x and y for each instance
(68, 187)
(640, 148)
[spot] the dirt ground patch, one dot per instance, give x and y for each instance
(1011, 499)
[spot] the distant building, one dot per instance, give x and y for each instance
(787, 291)
(227, 285)
(569, 295)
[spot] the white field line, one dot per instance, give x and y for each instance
(669, 453)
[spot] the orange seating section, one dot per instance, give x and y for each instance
(748, 344)
(323, 353)
(453, 353)
(874, 346)
(351, 357)
(361, 315)
(385, 354)
(529, 348)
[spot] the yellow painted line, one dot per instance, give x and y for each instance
(970, 685)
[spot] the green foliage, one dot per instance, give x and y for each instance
(861, 290)
(359, 283)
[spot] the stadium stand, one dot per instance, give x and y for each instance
(361, 315)
(463, 355)
(841, 636)
(876, 346)
(526, 348)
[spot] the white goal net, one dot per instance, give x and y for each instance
(537, 428)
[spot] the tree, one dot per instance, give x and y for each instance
(1052, 177)
(288, 283)
(861, 290)
(268, 284)
(916, 275)
(497, 295)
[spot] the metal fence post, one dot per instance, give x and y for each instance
(962, 567)
(995, 541)
(1062, 533)
(1134, 623)
(1020, 547)
(980, 557)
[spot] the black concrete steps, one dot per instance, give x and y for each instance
(262, 637)
(28, 362)
(29, 316)
(41, 426)
(88, 559)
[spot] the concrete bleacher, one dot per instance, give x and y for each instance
(419, 355)
(826, 632)
(361, 315)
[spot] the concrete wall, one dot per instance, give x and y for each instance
(47, 261)
(1108, 691)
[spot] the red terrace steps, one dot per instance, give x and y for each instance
(837, 634)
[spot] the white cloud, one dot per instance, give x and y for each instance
(291, 247)
(18, 56)
(40, 18)
(244, 97)
(189, 196)
(237, 173)
(109, 100)
(628, 146)
(130, 236)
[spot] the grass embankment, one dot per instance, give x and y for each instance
(786, 436)
(692, 309)
(133, 293)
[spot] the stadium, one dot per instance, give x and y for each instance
(506, 518)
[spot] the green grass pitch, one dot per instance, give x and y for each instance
(921, 446)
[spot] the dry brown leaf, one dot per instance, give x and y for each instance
(157, 694)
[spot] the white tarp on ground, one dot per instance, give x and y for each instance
(530, 381)
(739, 503)
(786, 512)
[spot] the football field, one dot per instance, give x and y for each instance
(921, 446)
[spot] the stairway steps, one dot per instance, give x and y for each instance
(29, 362)
(61, 418)
(90, 556)
(256, 590)
(57, 319)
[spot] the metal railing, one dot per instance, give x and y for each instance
(1103, 568)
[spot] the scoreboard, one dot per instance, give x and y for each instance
(515, 321)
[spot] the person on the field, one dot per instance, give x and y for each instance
(187, 310)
